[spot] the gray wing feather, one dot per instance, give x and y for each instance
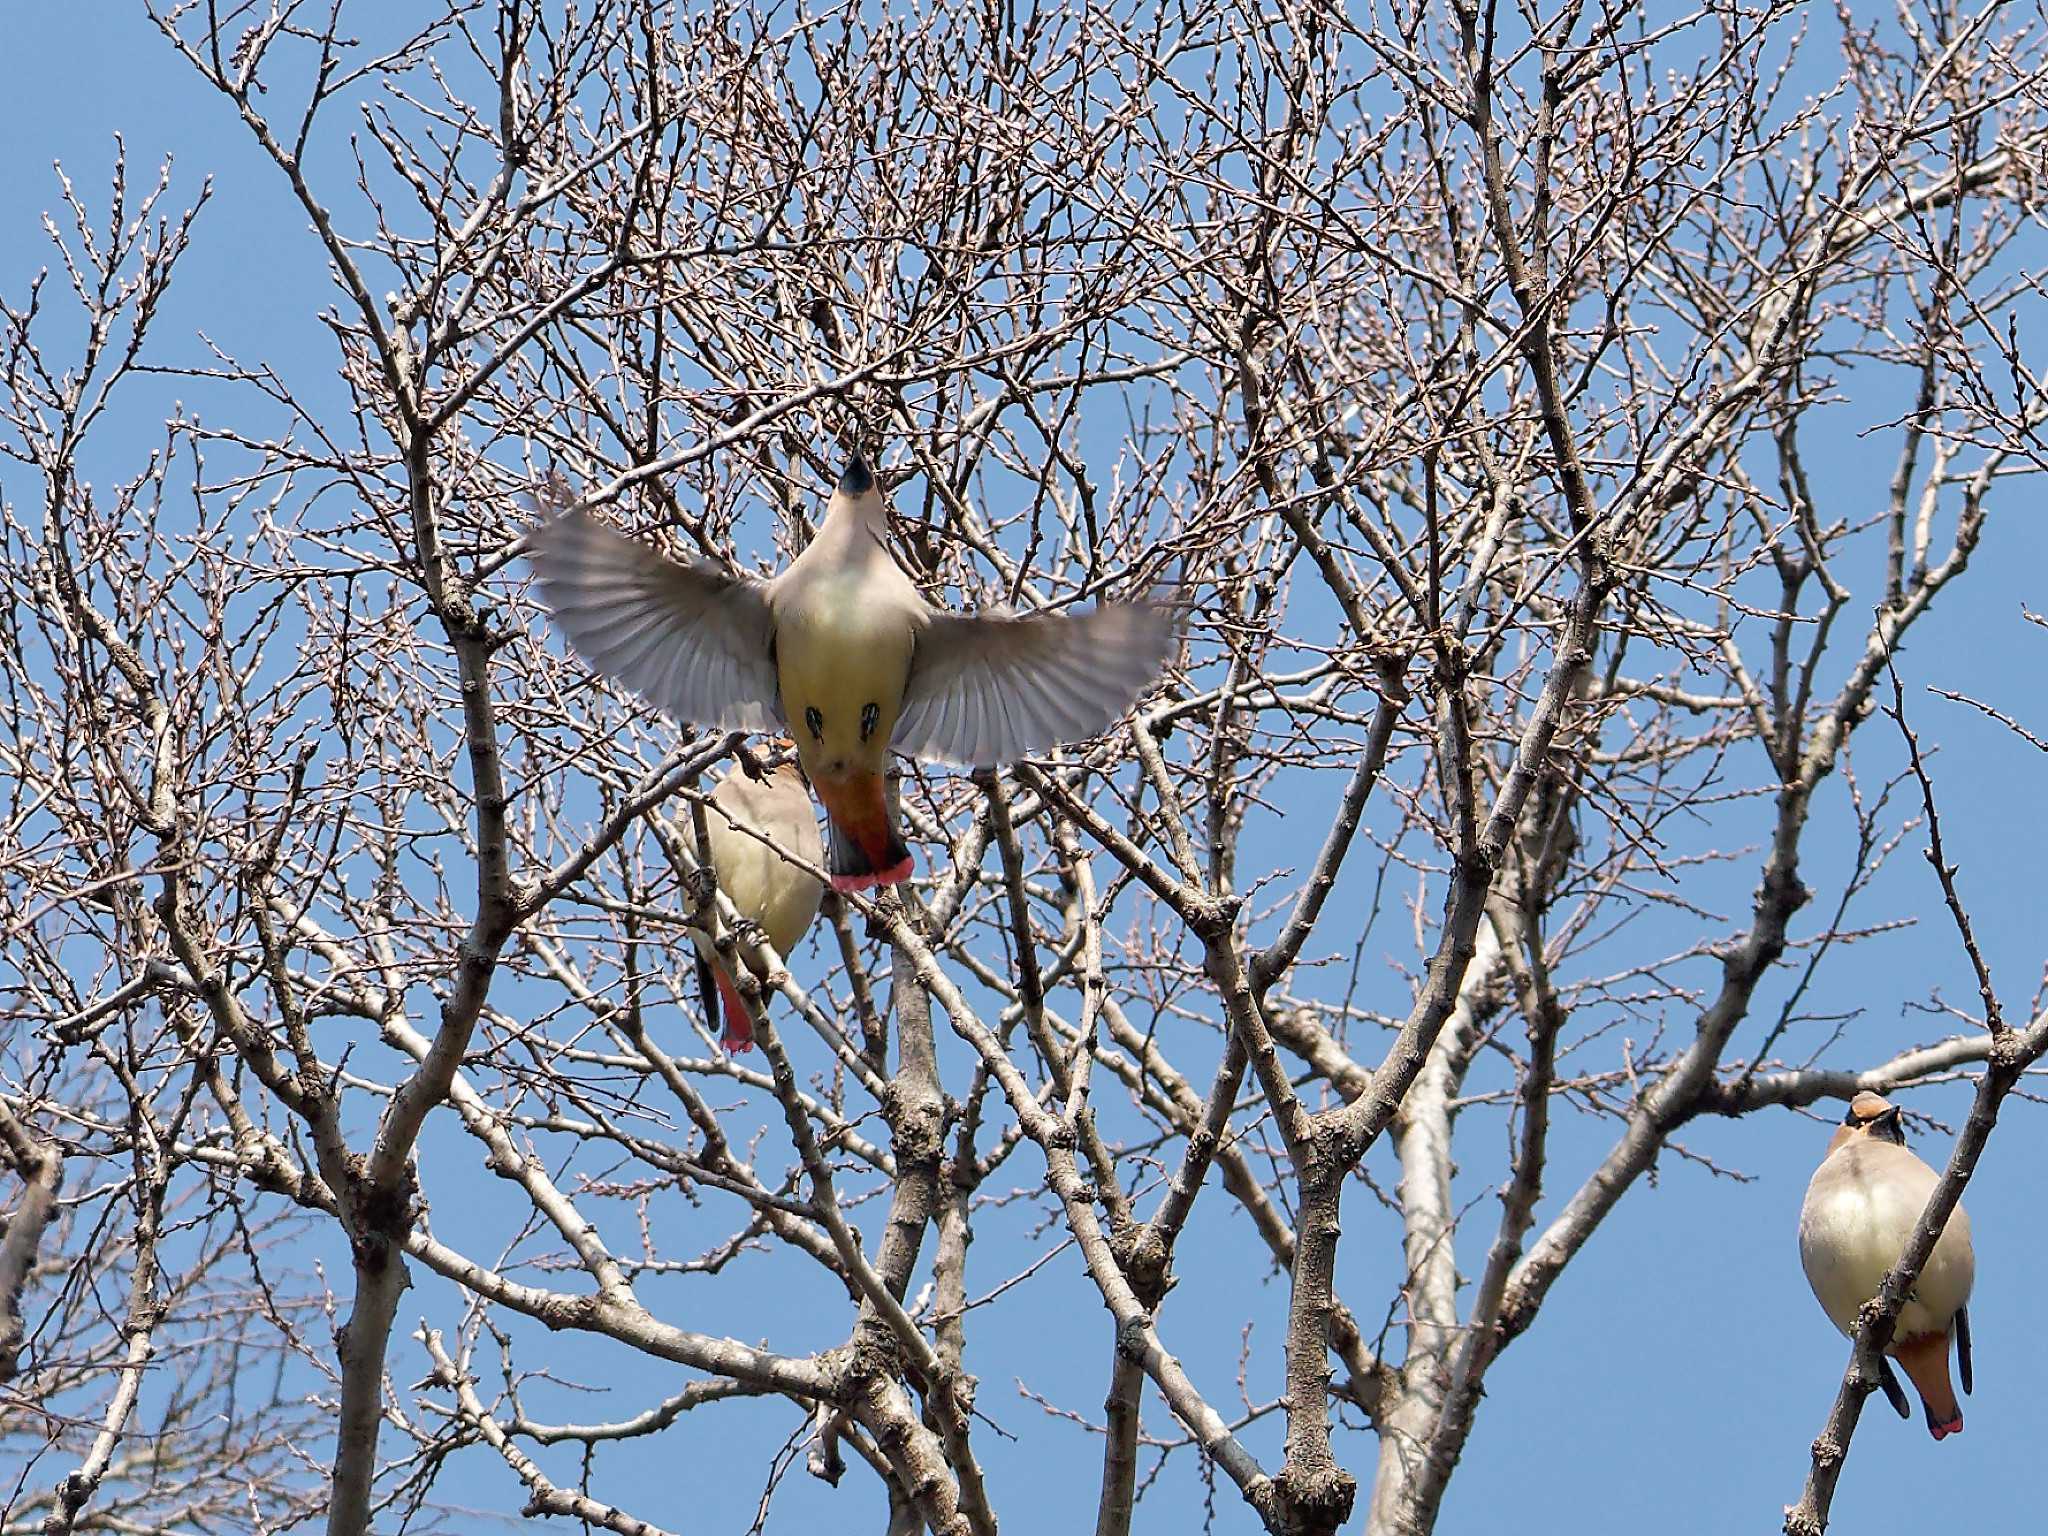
(991, 688)
(694, 640)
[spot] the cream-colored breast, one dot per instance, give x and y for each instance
(762, 885)
(1860, 1211)
(843, 643)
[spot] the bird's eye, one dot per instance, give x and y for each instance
(815, 722)
(870, 716)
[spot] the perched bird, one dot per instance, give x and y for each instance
(763, 886)
(842, 652)
(1860, 1212)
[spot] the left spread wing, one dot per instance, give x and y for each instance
(693, 639)
(991, 688)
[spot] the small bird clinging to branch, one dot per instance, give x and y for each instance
(763, 886)
(842, 652)
(1860, 1211)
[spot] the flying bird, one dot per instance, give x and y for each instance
(1860, 1211)
(842, 652)
(763, 886)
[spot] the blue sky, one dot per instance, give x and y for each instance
(1681, 1368)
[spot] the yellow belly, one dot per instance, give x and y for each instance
(842, 673)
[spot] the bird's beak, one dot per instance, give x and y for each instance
(856, 479)
(1890, 1127)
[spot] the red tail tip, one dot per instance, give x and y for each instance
(1953, 1427)
(895, 874)
(739, 1026)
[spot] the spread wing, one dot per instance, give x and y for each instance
(991, 688)
(694, 640)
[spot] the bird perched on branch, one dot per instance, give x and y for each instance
(764, 887)
(1860, 1212)
(842, 652)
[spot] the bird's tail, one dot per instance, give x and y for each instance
(739, 1024)
(1925, 1358)
(864, 848)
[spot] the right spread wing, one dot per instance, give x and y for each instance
(991, 688)
(694, 639)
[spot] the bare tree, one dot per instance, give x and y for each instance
(1464, 366)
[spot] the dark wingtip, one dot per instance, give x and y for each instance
(1893, 1392)
(856, 479)
(707, 987)
(1963, 1351)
